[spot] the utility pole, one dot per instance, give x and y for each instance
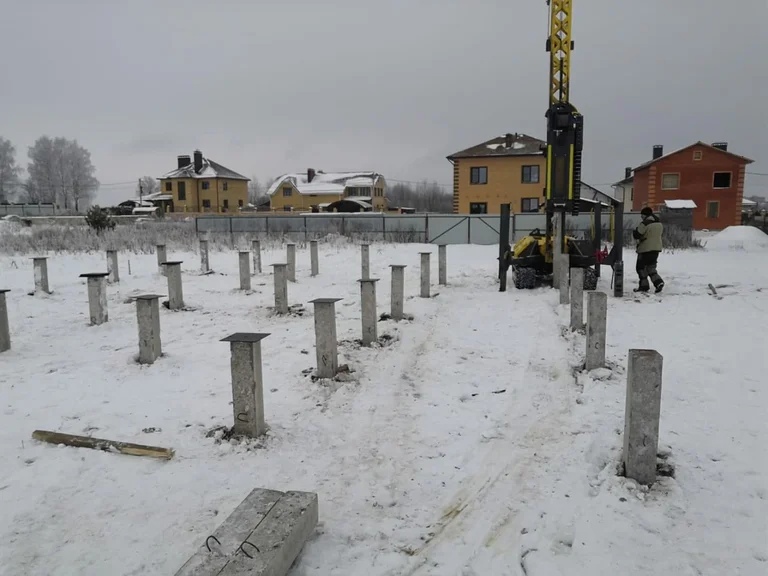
(141, 193)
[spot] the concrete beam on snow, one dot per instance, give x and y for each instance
(263, 536)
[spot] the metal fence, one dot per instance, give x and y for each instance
(27, 210)
(422, 228)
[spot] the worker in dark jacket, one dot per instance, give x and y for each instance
(648, 236)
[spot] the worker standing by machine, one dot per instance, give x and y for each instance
(649, 245)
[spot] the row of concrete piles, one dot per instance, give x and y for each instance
(247, 385)
(644, 373)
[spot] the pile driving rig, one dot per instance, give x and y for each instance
(533, 256)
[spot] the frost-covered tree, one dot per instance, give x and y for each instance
(60, 172)
(147, 185)
(9, 172)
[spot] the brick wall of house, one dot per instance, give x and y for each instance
(717, 208)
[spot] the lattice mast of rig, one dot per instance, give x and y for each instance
(564, 123)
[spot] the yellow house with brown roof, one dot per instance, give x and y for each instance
(199, 184)
(508, 169)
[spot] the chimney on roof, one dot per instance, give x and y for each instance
(508, 138)
(184, 161)
(310, 174)
(627, 172)
(198, 161)
(658, 151)
(720, 146)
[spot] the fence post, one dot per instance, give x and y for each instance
(368, 305)
(577, 298)
(175, 292)
(642, 414)
(397, 294)
(247, 383)
(244, 257)
(113, 272)
(281, 288)
(148, 316)
(597, 311)
(325, 337)
(162, 256)
(40, 266)
(425, 274)
(5, 332)
(97, 297)
(291, 254)
(314, 257)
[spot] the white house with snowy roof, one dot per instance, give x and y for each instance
(321, 191)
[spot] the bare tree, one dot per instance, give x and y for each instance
(60, 172)
(425, 196)
(147, 185)
(257, 191)
(9, 172)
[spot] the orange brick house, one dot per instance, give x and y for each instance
(709, 175)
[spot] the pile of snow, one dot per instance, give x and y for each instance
(738, 238)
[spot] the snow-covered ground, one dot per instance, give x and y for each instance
(471, 444)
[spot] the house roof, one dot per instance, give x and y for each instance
(210, 169)
(521, 145)
(680, 204)
(645, 165)
(325, 182)
(625, 181)
(748, 202)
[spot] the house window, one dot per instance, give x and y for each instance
(713, 210)
(206, 185)
(206, 203)
(225, 186)
(169, 186)
(478, 207)
(182, 186)
(287, 208)
(240, 203)
(530, 204)
(287, 191)
(697, 154)
(478, 175)
(670, 181)
(530, 175)
(721, 180)
(225, 204)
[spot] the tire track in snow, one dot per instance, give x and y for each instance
(481, 523)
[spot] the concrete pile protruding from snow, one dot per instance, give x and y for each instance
(746, 238)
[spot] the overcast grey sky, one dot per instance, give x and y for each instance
(266, 87)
